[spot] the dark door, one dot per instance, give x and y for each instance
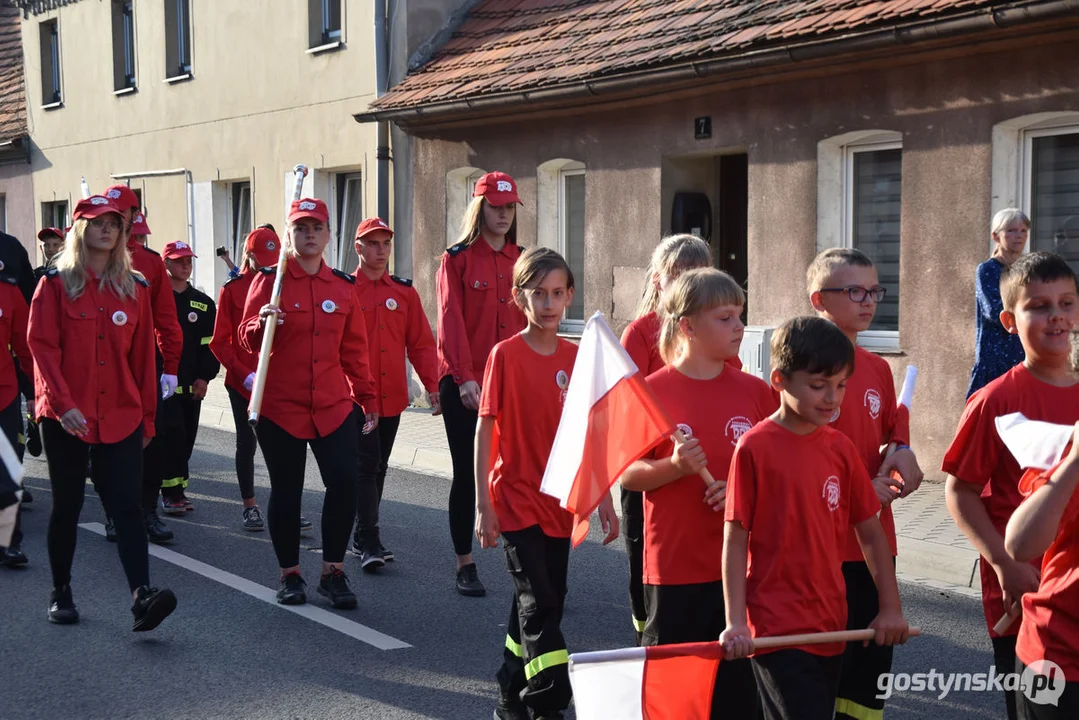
(733, 215)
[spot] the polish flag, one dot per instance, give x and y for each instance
(1038, 447)
(609, 420)
(665, 682)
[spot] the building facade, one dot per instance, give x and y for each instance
(16, 181)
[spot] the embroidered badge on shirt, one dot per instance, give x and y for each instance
(328, 306)
(872, 401)
(119, 318)
(737, 426)
(562, 379)
(831, 492)
(192, 316)
(391, 304)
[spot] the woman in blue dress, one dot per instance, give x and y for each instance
(996, 351)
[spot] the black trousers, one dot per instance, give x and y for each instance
(862, 666)
(1065, 708)
(286, 461)
(153, 459)
(633, 523)
(12, 427)
(534, 661)
(116, 471)
(246, 443)
(178, 424)
(375, 448)
(461, 436)
(797, 685)
(1004, 658)
(696, 613)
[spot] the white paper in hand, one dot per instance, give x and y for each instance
(1033, 443)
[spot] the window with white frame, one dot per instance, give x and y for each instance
(571, 239)
(3, 212)
(177, 39)
(349, 197)
(49, 34)
(872, 203)
(1051, 190)
(54, 214)
(239, 217)
(123, 44)
(460, 184)
(324, 22)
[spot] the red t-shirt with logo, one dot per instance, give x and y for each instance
(524, 392)
(798, 496)
(869, 417)
(978, 456)
(683, 536)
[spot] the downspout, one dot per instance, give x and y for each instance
(382, 142)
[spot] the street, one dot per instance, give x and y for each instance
(228, 652)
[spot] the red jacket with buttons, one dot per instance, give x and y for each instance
(319, 358)
(237, 360)
(95, 354)
(396, 323)
(170, 338)
(14, 315)
(475, 307)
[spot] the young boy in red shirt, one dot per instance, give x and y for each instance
(1041, 306)
(843, 288)
(795, 488)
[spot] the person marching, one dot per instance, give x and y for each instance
(14, 314)
(91, 337)
(170, 343)
(198, 366)
(318, 364)
(475, 312)
(524, 388)
(52, 242)
(683, 523)
(671, 257)
(395, 323)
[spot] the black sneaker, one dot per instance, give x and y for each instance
(13, 557)
(335, 588)
(151, 607)
(62, 608)
(27, 498)
(305, 525)
(33, 439)
(387, 555)
(370, 559)
(253, 519)
(291, 590)
(468, 581)
(157, 532)
(511, 709)
(110, 530)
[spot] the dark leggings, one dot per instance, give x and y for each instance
(116, 470)
(245, 444)
(374, 448)
(286, 460)
(461, 436)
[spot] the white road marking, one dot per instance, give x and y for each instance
(315, 614)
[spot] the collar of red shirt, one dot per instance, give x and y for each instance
(480, 245)
(363, 279)
(324, 272)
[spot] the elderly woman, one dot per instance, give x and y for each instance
(996, 350)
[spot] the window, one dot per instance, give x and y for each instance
(49, 33)
(240, 217)
(571, 240)
(1051, 191)
(3, 213)
(349, 187)
(123, 45)
(460, 184)
(54, 214)
(177, 39)
(324, 22)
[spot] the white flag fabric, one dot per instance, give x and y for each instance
(1033, 443)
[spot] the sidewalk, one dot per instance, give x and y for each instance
(932, 550)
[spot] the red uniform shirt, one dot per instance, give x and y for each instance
(869, 417)
(238, 361)
(797, 495)
(96, 354)
(170, 338)
(524, 392)
(641, 341)
(14, 315)
(683, 536)
(1050, 628)
(396, 323)
(319, 358)
(978, 456)
(475, 307)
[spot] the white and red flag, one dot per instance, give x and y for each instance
(609, 420)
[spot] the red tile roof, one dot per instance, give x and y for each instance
(12, 92)
(514, 46)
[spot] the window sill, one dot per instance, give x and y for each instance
(880, 342)
(125, 91)
(53, 106)
(335, 45)
(178, 78)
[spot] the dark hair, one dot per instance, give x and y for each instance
(828, 260)
(1031, 268)
(812, 344)
(534, 265)
(267, 226)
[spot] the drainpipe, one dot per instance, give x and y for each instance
(190, 194)
(382, 143)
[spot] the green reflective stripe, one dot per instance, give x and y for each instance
(21, 439)
(638, 625)
(514, 647)
(179, 390)
(206, 340)
(544, 661)
(852, 709)
(172, 482)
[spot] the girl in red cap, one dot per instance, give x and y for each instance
(475, 311)
(317, 365)
(91, 335)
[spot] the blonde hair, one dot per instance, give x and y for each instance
(118, 278)
(472, 223)
(674, 254)
(694, 292)
(828, 260)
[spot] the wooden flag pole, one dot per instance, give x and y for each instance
(821, 638)
(705, 475)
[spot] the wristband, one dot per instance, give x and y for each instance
(902, 447)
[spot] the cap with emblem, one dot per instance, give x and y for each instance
(264, 244)
(497, 188)
(50, 232)
(123, 197)
(176, 250)
(139, 226)
(94, 206)
(371, 225)
(308, 208)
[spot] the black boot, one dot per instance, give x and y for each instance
(157, 532)
(151, 607)
(13, 557)
(62, 608)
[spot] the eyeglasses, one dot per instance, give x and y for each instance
(100, 223)
(858, 294)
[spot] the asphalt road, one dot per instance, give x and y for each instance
(225, 653)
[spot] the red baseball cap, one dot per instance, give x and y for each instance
(139, 226)
(123, 197)
(45, 232)
(372, 224)
(264, 244)
(308, 208)
(176, 250)
(497, 188)
(94, 206)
